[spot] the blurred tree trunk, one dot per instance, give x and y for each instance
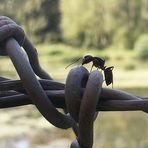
(50, 9)
(48, 16)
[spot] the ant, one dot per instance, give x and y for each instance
(99, 63)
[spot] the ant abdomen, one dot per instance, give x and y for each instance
(108, 75)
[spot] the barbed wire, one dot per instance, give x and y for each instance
(81, 96)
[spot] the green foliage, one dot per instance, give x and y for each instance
(141, 46)
(88, 23)
(83, 23)
(40, 19)
(101, 23)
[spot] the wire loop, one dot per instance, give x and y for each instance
(81, 96)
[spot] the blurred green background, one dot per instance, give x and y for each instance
(64, 30)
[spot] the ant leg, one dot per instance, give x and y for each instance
(112, 86)
(91, 67)
(104, 76)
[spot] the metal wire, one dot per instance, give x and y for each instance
(47, 95)
(10, 92)
(33, 87)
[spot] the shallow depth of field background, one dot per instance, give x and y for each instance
(63, 31)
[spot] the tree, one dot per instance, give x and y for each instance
(40, 19)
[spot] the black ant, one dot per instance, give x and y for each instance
(99, 63)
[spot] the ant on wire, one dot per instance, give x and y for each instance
(99, 63)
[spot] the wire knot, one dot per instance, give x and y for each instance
(83, 107)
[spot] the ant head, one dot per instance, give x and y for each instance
(87, 56)
(87, 59)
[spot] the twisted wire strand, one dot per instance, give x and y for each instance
(33, 87)
(118, 101)
(76, 79)
(88, 108)
(10, 29)
(17, 85)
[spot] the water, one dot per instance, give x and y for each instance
(22, 127)
(20, 142)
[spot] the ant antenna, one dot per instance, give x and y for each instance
(73, 63)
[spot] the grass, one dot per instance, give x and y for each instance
(128, 69)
